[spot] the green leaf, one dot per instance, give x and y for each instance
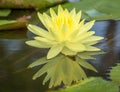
(85, 64)
(96, 9)
(4, 22)
(59, 69)
(26, 4)
(4, 12)
(92, 85)
(11, 24)
(115, 74)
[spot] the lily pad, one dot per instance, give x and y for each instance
(92, 85)
(4, 12)
(37, 4)
(115, 74)
(11, 24)
(96, 9)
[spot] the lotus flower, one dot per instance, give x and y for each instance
(65, 33)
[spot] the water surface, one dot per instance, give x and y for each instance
(15, 56)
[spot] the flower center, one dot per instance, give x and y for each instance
(64, 20)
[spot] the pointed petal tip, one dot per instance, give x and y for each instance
(51, 9)
(80, 12)
(73, 9)
(93, 21)
(102, 38)
(27, 42)
(33, 78)
(30, 26)
(29, 67)
(38, 13)
(60, 9)
(49, 56)
(59, 6)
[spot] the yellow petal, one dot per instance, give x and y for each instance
(74, 34)
(41, 39)
(84, 36)
(67, 51)
(73, 13)
(37, 44)
(55, 34)
(92, 48)
(60, 10)
(77, 47)
(86, 27)
(48, 21)
(66, 12)
(41, 17)
(39, 31)
(90, 43)
(81, 23)
(78, 17)
(65, 33)
(52, 13)
(93, 38)
(54, 50)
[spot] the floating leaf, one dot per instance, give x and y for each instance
(92, 85)
(98, 10)
(115, 74)
(4, 12)
(11, 24)
(38, 4)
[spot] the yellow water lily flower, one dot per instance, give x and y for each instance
(65, 33)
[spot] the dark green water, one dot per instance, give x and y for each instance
(15, 56)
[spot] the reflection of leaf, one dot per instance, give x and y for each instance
(115, 74)
(4, 12)
(92, 85)
(59, 69)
